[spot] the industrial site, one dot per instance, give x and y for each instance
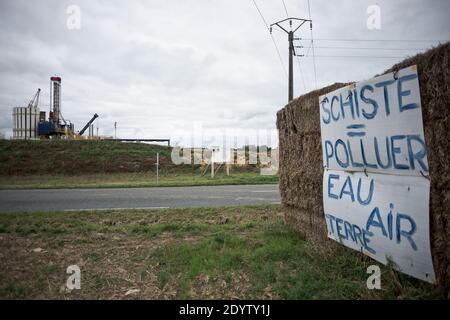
(279, 153)
(30, 123)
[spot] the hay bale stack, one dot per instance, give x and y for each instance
(300, 159)
(301, 156)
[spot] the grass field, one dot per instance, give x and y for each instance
(233, 252)
(130, 180)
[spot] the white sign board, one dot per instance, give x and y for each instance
(221, 155)
(375, 185)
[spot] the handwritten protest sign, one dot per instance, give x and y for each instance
(375, 184)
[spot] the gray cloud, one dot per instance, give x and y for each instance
(156, 67)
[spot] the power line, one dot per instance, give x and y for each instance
(279, 55)
(379, 40)
(271, 36)
(262, 17)
(301, 73)
(368, 48)
(338, 56)
(287, 14)
(285, 9)
(309, 48)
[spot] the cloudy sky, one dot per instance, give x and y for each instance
(159, 68)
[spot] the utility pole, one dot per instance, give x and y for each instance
(115, 130)
(291, 66)
(292, 52)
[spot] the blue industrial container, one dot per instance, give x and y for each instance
(45, 128)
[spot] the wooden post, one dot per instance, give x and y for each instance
(157, 168)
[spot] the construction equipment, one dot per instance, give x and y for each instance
(88, 124)
(35, 101)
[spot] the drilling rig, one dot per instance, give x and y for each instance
(56, 127)
(55, 116)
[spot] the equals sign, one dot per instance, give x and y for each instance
(352, 133)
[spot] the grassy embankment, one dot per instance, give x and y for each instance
(90, 164)
(235, 252)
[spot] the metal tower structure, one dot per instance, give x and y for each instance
(55, 101)
(300, 22)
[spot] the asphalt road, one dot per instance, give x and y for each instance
(138, 198)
